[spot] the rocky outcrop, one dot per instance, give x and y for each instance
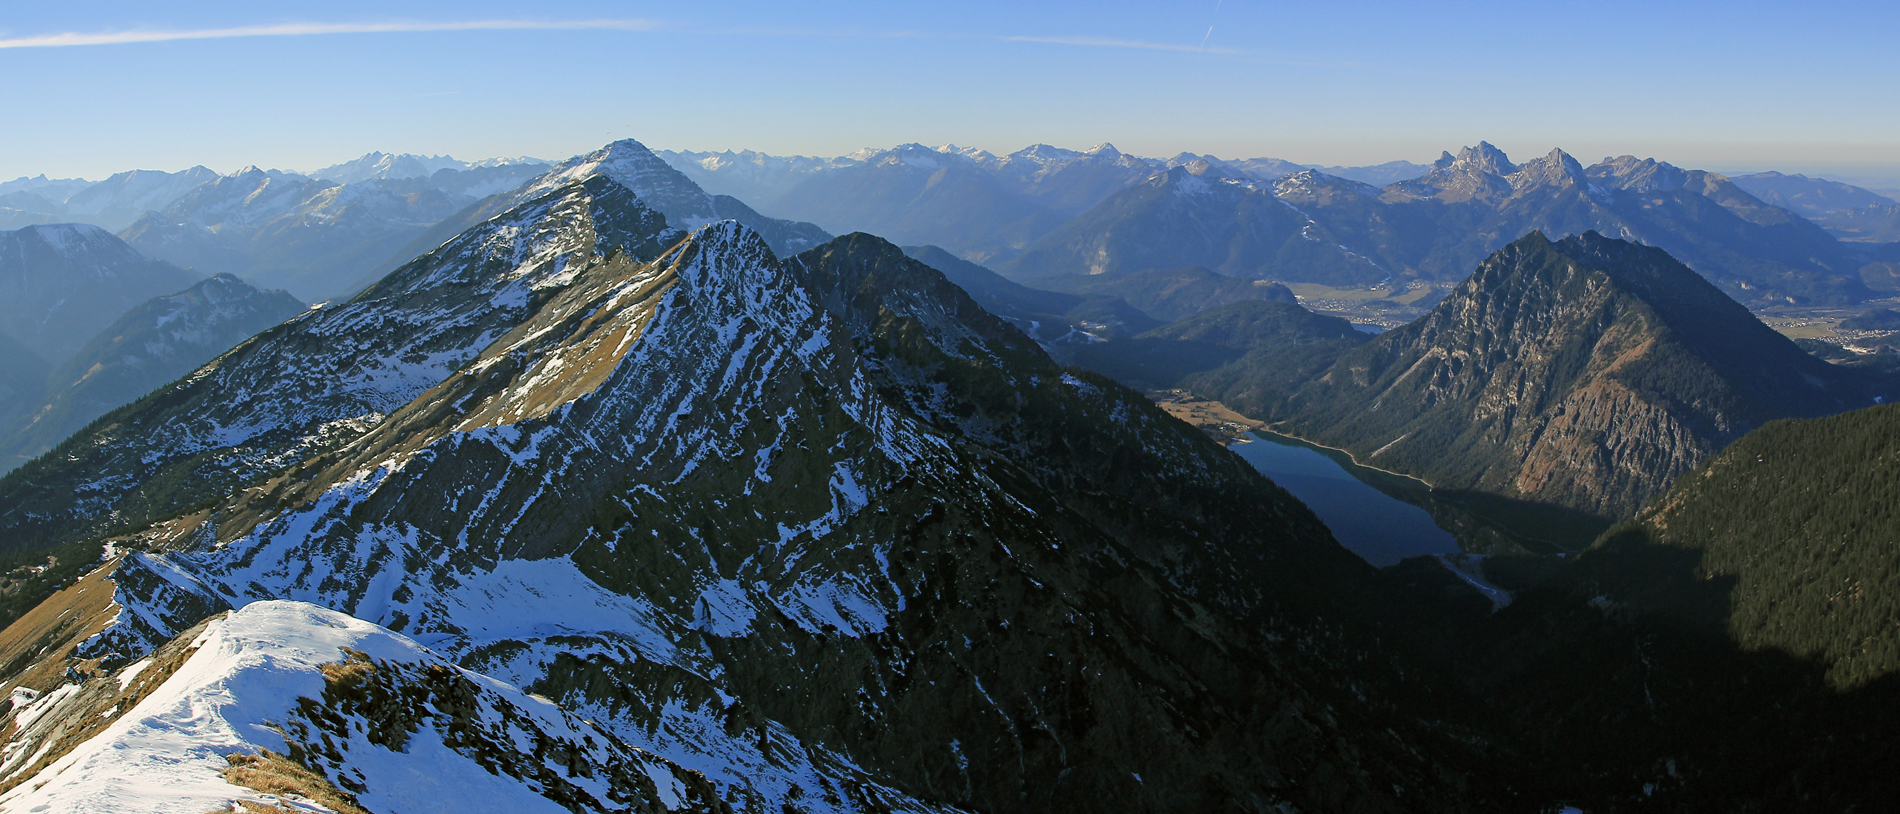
(1587, 373)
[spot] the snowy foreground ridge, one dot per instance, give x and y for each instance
(238, 694)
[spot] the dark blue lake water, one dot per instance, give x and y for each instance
(1373, 524)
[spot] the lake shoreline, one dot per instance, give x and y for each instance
(1348, 453)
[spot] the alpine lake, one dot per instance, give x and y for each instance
(1386, 517)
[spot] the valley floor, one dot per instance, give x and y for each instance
(1218, 420)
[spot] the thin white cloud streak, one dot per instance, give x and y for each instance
(1098, 42)
(309, 29)
(1091, 42)
(71, 39)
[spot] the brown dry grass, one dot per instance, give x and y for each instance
(40, 640)
(272, 773)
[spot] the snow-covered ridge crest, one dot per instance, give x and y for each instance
(250, 681)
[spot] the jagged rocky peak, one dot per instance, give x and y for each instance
(630, 164)
(918, 157)
(663, 188)
(378, 165)
(1638, 175)
(1044, 154)
(1555, 169)
(1477, 173)
(1483, 158)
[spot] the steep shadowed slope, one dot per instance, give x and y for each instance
(64, 282)
(1807, 570)
(151, 345)
(1249, 355)
(1172, 294)
(22, 380)
(1730, 648)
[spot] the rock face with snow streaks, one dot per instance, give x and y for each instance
(320, 380)
(818, 528)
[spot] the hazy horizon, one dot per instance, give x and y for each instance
(1870, 176)
(1732, 87)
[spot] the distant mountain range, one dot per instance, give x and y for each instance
(330, 232)
(380, 166)
(979, 205)
(1045, 211)
(312, 237)
(317, 235)
(1310, 227)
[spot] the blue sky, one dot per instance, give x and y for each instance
(1734, 86)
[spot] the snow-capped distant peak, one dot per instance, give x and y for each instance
(379, 165)
(503, 161)
(64, 237)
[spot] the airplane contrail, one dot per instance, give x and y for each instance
(307, 29)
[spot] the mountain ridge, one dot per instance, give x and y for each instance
(950, 458)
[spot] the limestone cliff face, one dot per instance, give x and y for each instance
(1587, 373)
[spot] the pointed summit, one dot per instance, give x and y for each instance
(1555, 169)
(1486, 159)
(1477, 173)
(686, 206)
